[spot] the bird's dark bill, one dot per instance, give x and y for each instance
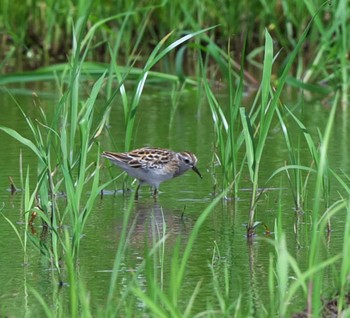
(197, 171)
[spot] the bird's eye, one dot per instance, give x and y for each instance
(187, 161)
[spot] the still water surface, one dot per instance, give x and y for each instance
(179, 205)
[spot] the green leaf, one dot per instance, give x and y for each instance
(23, 140)
(249, 141)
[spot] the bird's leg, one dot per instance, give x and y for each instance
(137, 192)
(155, 193)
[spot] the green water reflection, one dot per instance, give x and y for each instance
(180, 203)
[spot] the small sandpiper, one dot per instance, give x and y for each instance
(153, 165)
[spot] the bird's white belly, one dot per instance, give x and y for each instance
(152, 177)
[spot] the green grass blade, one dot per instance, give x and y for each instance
(249, 140)
(14, 134)
(186, 254)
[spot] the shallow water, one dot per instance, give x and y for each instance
(180, 203)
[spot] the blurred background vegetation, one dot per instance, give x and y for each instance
(36, 33)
